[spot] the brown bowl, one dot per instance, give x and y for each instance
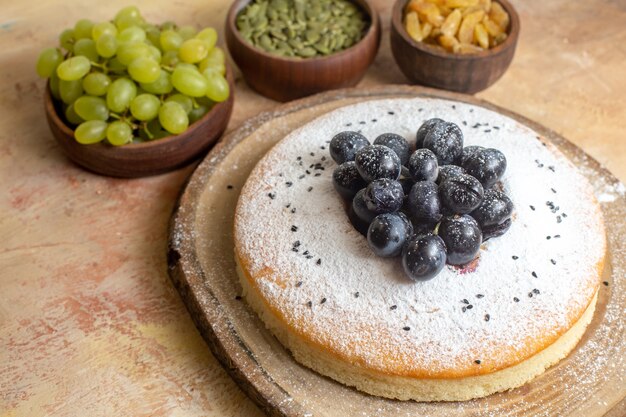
(428, 65)
(147, 158)
(285, 79)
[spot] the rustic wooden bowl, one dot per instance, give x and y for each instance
(147, 158)
(427, 65)
(285, 79)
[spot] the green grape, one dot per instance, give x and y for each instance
(103, 28)
(66, 39)
(144, 70)
(185, 102)
(121, 92)
(54, 85)
(193, 50)
(128, 52)
(170, 59)
(73, 68)
(90, 132)
(82, 29)
(131, 35)
(173, 117)
(87, 48)
(70, 90)
(91, 108)
(209, 35)
(128, 12)
(106, 45)
(214, 60)
(197, 113)
(153, 35)
(114, 65)
(168, 25)
(71, 116)
(48, 61)
(218, 89)
(155, 53)
(187, 32)
(127, 22)
(145, 107)
(163, 85)
(96, 84)
(189, 81)
(170, 40)
(119, 133)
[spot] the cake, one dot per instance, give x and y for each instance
(311, 277)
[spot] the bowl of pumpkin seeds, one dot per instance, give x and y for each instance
(457, 45)
(288, 49)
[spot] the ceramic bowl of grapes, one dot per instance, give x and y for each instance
(127, 98)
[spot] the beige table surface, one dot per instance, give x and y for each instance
(89, 321)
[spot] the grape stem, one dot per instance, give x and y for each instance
(146, 130)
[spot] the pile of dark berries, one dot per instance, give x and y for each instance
(432, 202)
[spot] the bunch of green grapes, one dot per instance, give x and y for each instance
(130, 81)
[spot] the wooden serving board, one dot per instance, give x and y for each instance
(587, 383)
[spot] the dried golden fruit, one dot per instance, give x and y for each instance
(448, 42)
(481, 36)
(485, 5)
(499, 15)
(466, 48)
(412, 24)
(455, 4)
(451, 24)
(492, 27)
(426, 29)
(466, 30)
(428, 12)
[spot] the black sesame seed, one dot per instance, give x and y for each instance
(516, 299)
(536, 291)
(515, 257)
(293, 210)
(299, 284)
(557, 236)
(471, 110)
(296, 243)
(309, 303)
(420, 109)
(393, 307)
(301, 176)
(309, 256)
(530, 295)
(548, 237)
(312, 154)
(406, 328)
(309, 189)
(454, 106)
(288, 205)
(487, 130)
(477, 361)
(308, 172)
(534, 274)
(606, 283)
(374, 120)
(469, 307)
(464, 123)
(322, 147)
(356, 294)
(271, 195)
(391, 113)
(306, 252)
(551, 168)
(348, 124)
(553, 261)
(464, 309)
(480, 295)
(230, 187)
(487, 317)
(559, 219)
(362, 123)
(238, 297)
(289, 183)
(294, 228)
(317, 174)
(323, 158)
(294, 249)
(280, 174)
(532, 208)
(319, 261)
(323, 300)
(497, 127)
(464, 301)
(299, 158)
(564, 215)
(553, 190)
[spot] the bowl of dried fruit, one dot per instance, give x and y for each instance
(287, 49)
(458, 45)
(127, 98)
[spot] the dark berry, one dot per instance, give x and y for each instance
(496, 230)
(397, 144)
(377, 161)
(344, 146)
(383, 196)
(360, 208)
(461, 194)
(423, 202)
(462, 237)
(388, 233)
(347, 180)
(446, 141)
(423, 257)
(487, 165)
(423, 131)
(423, 165)
(469, 151)
(495, 208)
(449, 171)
